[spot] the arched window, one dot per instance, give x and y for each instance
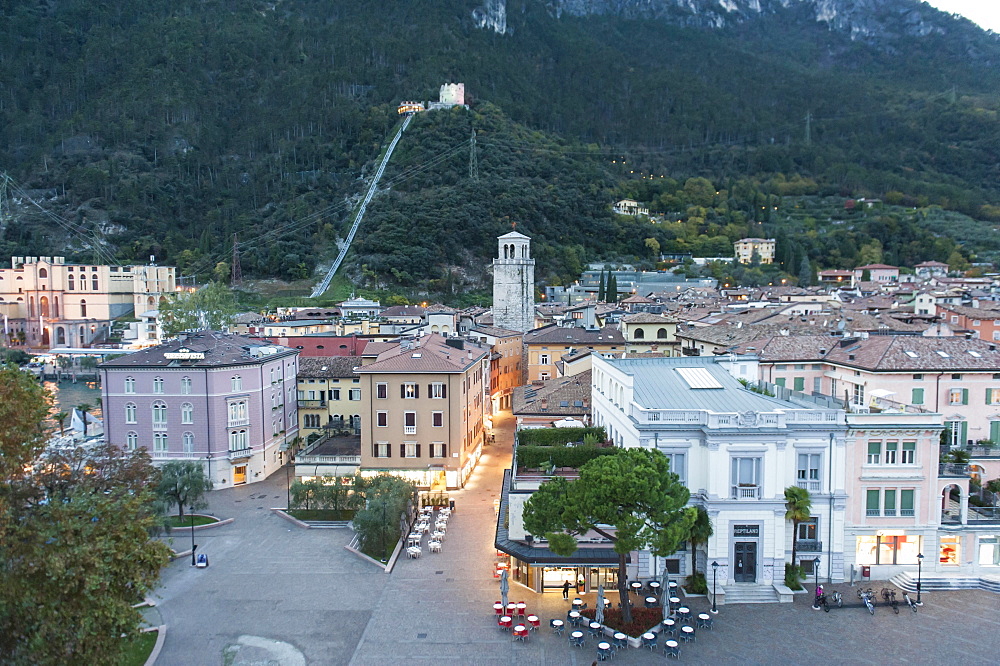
(43, 306)
(151, 302)
(131, 441)
(60, 335)
(661, 334)
(42, 273)
(93, 282)
(188, 442)
(160, 442)
(187, 413)
(130, 412)
(524, 251)
(237, 383)
(130, 384)
(639, 334)
(82, 335)
(83, 308)
(159, 414)
(185, 385)
(72, 282)
(157, 384)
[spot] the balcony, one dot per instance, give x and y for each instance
(809, 546)
(236, 423)
(312, 404)
(237, 454)
(410, 430)
(953, 470)
(744, 492)
(811, 486)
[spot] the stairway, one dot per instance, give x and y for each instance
(750, 594)
(936, 581)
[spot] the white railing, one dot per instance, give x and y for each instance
(327, 460)
(238, 422)
(746, 492)
(410, 430)
(811, 486)
(240, 453)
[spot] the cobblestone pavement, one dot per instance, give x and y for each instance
(272, 580)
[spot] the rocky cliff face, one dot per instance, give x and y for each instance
(865, 20)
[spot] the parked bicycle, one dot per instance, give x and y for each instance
(889, 597)
(910, 602)
(823, 601)
(868, 597)
(837, 598)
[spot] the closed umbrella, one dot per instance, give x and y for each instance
(504, 588)
(599, 613)
(665, 591)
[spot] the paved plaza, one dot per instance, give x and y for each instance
(279, 594)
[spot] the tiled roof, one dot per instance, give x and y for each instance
(403, 311)
(553, 334)
(646, 318)
(428, 353)
(888, 353)
(789, 348)
(972, 313)
(328, 367)
(567, 396)
(219, 349)
(495, 331)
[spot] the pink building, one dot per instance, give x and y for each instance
(877, 273)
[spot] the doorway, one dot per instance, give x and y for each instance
(239, 475)
(745, 570)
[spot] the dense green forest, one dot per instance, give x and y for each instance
(165, 128)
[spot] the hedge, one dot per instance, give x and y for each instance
(557, 436)
(541, 457)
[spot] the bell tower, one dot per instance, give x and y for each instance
(514, 283)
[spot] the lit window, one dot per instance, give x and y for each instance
(410, 390)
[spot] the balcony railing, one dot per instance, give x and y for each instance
(746, 492)
(809, 546)
(240, 453)
(987, 514)
(811, 486)
(235, 423)
(953, 470)
(906, 513)
(410, 430)
(312, 404)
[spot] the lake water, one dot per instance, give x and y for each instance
(68, 395)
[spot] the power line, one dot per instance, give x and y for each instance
(473, 160)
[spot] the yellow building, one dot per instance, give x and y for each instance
(545, 347)
(330, 398)
(745, 248)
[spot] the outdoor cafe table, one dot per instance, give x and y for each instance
(577, 603)
(506, 621)
(520, 631)
(574, 617)
(620, 639)
(684, 612)
(654, 585)
(650, 602)
(498, 608)
(533, 621)
(675, 602)
(595, 628)
(636, 586)
(520, 607)
(669, 626)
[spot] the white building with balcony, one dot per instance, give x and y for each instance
(736, 450)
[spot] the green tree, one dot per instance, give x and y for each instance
(85, 408)
(630, 498)
(75, 551)
(184, 483)
(701, 532)
(805, 273)
(600, 288)
(211, 307)
(612, 291)
(654, 247)
(60, 418)
(387, 498)
(798, 505)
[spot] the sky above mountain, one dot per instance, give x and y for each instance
(984, 12)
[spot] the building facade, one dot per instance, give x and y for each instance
(427, 409)
(745, 248)
(225, 401)
(514, 284)
(329, 395)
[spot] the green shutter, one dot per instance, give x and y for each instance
(890, 501)
(964, 430)
(918, 396)
(800, 383)
(874, 449)
(989, 394)
(965, 396)
(872, 502)
(995, 431)
(780, 381)
(906, 502)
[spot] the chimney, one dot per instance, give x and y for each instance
(545, 403)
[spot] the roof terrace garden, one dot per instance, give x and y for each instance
(544, 452)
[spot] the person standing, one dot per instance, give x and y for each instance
(566, 589)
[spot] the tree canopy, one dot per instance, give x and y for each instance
(631, 498)
(211, 307)
(184, 483)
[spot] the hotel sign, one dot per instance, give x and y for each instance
(746, 530)
(184, 354)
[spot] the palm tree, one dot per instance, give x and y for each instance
(60, 418)
(798, 506)
(84, 408)
(700, 533)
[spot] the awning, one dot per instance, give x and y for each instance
(881, 393)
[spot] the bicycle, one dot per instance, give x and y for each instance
(838, 599)
(910, 602)
(889, 596)
(868, 597)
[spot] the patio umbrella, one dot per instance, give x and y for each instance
(504, 588)
(665, 591)
(599, 613)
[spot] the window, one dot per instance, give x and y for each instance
(130, 384)
(872, 502)
(335, 394)
(639, 334)
(887, 549)
(160, 442)
(185, 386)
(889, 502)
(238, 440)
(918, 377)
(438, 390)
(272, 375)
(237, 412)
(71, 282)
(993, 396)
(158, 385)
(409, 390)
(874, 453)
(817, 384)
(543, 359)
(381, 450)
(859, 394)
(989, 550)
(799, 384)
(188, 439)
(437, 419)
(410, 449)
(957, 432)
(746, 476)
(130, 412)
(310, 420)
(808, 529)
(354, 394)
(159, 414)
(381, 390)
(93, 281)
(917, 396)
(661, 334)
(131, 441)
(83, 308)
(906, 502)
(908, 456)
(677, 465)
(187, 413)
(236, 383)
(409, 423)
(438, 450)
(780, 381)
(891, 448)
(807, 473)
(382, 419)
(958, 396)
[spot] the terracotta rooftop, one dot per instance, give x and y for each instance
(428, 353)
(328, 367)
(562, 335)
(218, 349)
(567, 396)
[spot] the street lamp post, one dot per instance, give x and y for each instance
(288, 487)
(193, 546)
(715, 575)
(920, 562)
(816, 595)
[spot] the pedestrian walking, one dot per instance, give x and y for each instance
(566, 590)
